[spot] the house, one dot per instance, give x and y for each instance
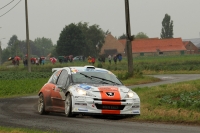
(144, 47)
(155, 46)
(112, 46)
(191, 48)
(195, 41)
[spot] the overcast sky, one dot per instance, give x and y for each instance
(47, 18)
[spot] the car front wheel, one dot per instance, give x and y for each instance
(68, 106)
(41, 105)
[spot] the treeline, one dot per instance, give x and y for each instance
(75, 39)
(39, 47)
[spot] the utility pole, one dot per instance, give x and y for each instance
(129, 39)
(1, 51)
(27, 38)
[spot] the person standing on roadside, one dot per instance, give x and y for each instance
(93, 60)
(115, 59)
(109, 59)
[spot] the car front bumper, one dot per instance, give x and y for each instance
(91, 106)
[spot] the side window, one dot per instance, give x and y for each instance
(63, 78)
(55, 77)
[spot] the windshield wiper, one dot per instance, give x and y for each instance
(105, 80)
(86, 76)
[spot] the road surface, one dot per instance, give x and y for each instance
(22, 112)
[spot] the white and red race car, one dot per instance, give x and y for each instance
(87, 90)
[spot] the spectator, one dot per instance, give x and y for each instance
(40, 60)
(109, 59)
(115, 59)
(119, 56)
(70, 58)
(66, 58)
(93, 60)
(37, 61)
(25, 61)
(43, 61)
(89, 59)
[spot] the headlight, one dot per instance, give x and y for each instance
(81, 91)
(130, 94)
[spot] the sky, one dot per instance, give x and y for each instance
(47, 18)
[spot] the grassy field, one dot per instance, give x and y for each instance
(172, 103)
(146, 65)
(23, 130)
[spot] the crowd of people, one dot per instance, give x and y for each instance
(15, 60)
(115, 58)
(64, 59)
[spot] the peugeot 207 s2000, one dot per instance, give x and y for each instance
(87, 90)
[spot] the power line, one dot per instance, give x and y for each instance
(10, 9)
(6, 5)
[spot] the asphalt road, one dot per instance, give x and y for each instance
(22, 112)
(169, 79)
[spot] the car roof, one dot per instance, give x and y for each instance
(87, 68)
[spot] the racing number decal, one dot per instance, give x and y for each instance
(110, 96)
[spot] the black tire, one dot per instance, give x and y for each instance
(41, 105)
(68, 106)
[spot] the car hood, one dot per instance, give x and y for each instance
(102, 87)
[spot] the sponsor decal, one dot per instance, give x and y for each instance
(82, 109)
(85, 104)
(84, 86)
(135, 111)
(110, 94)
(79, 97)
(105, 88)
(135, 106)
(74, 70)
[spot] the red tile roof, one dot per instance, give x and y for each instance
(155, 45)
(185, 43)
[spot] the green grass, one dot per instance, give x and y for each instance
(147, 65)
(16, 83)
(21, 130)
(174, 103)
(11, 88)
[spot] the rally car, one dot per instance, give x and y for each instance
(87, 90)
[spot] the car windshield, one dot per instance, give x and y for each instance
(95, 78)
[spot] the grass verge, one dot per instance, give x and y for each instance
(21, 130)
(173, 103)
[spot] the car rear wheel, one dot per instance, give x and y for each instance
(41, 105)
(68, 106)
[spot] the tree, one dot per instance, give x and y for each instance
(5, 55)
(167, 27)
(122, 36)
(80, 39)
(43, 46)
(12, 40)
(141, 35)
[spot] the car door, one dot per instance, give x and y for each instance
(58, 93)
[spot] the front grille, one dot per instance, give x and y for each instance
(110, 107)
(96, 99)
